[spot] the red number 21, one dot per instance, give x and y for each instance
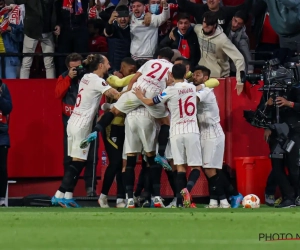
(157, 67)
(185, 107)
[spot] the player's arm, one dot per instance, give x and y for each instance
(202, 94)
(117, 82)
(163, 97)
(112, 93)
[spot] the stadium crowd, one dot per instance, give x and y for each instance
(207, 36)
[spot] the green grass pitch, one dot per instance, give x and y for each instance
(146, 229)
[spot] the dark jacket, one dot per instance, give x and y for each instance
(192, 40)
(33, 22)
(258, 12)
(118, 44)
(225, 13)
(285, 16)
(5, 110)
(68, 20)
(66, 89)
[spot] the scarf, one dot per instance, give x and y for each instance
(68, 5)
(9, 15)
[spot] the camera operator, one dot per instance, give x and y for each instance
(66, 90)
(289, 113)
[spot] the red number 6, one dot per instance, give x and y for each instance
(78, 99)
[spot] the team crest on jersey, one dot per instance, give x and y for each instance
(104, 84)
(114, 139)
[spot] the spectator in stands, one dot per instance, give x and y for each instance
(97, 41)
(238, 36)
(225, 13)
(216, 49)
(266, 39)
(39, 25)
(185, 40)
(66, 90)
(117, 31)
(144, 39)
(11, 35)
(95, 10)
(107, 9)
(5, 110)
(74, 35)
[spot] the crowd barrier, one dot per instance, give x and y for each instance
(36, 130)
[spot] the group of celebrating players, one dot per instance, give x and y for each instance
(173, 122)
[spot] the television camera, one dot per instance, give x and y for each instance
(277, 81)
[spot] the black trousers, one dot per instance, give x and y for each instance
(289, 184)
(69, 41)
(113, 138)
(91, 163)
(3, 170)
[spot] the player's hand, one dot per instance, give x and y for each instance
(147, 19)
(139, 92)
(267, 134)
(113, 17)
(118, 74)
(239, 88)
(72, 73)
(170, 79)
(280, 101)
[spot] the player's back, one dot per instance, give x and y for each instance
(208, 114)
(91, 88)
(154, 75)
(182, 105)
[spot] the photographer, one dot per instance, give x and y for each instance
(66, 90)
(289, 113)
(5, 109)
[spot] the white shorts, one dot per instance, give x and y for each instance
(140, 134)
(213, 152)
(168, 152)
(129, 102)
(186, 149)
(75, 137)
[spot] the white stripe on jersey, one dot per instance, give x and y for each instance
(140, 111)
(182, 103)
(208, 114)
(91, 88)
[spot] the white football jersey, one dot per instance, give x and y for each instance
(182, 104)
(91, 88)
(154, 76)
(208, 114)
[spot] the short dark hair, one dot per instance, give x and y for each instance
(211, 18)
(93, 61)
(185, 61)
(205, 71)
(122, 8)
(140, 63)
(183, 15)
(243, 15)
(178, 71)
(74, 57)
(166, 52)
(129, 61)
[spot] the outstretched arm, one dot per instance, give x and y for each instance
(141, 95)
